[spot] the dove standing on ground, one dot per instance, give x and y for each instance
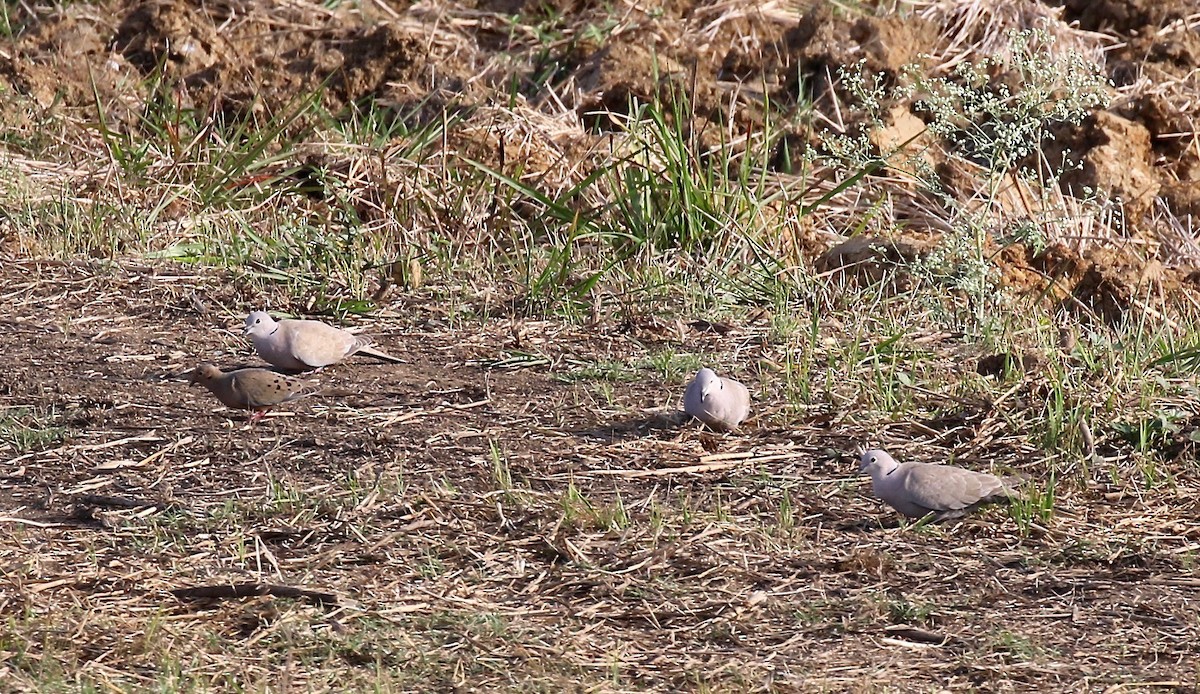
(257, 390)
(300, 345)
(919, 489)
(721, 403)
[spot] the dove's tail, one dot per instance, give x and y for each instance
(378, 354)
(1013, 484)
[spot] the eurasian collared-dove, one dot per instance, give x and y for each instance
(299, 345)
(257, 390)
(919, 489)
(721, 403)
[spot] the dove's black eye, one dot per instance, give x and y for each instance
(874, 459)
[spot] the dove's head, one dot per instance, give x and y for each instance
(259, 323)
(709, 382)
(203, 374)
(876, 463)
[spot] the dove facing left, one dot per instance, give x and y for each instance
(257, 390)
(300, 345)
(920, 489)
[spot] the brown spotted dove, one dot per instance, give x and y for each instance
(256, 390)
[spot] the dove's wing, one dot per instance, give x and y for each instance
(738, 401)
(948, 488)
(316, 344)
(256, 389)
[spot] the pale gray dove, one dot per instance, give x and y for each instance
(721, 403)
(919, 489)
(257, 390)
(300, 345)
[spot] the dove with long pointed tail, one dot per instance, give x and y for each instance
(257, 390)
(919, 489)
(721, 403)
(300, 345)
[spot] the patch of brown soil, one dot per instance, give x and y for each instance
(1184, 199)
(1113, 282)
(1110, 154)
(259, 57)
(1101, 282)
(870, 259)
(1172, 129)
(59, 58)
(183, 39)
(1122, 17)
(620, 73)
(822, 43)
(1155, 43)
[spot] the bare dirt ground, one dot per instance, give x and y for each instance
(492, 515)
(384, 493)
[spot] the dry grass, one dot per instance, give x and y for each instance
(521, 506)
(501, 528)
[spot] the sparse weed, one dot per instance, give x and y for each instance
(606, 371)
(28, 430)
(672, 367)
(1149, 433)
(432, 567)
(607, 392)
(786, 514)
(1017, 646)
(985, 122)
(574, 505)
(905, 611)
(501, 473)
(1034, 505)
(578, 511)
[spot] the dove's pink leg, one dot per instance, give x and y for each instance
(257, 415)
